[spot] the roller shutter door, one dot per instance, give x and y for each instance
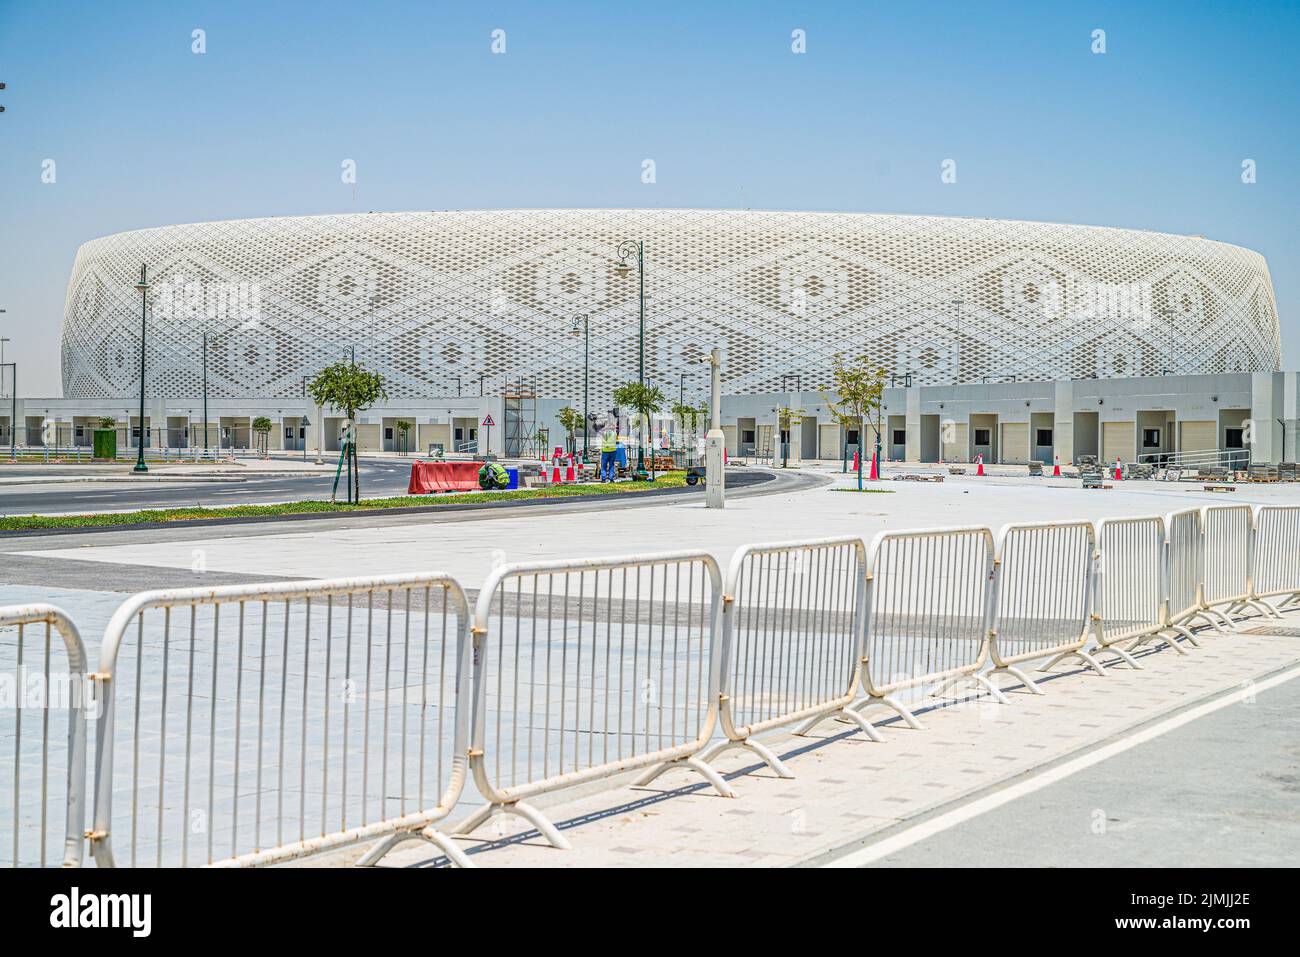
(1198, 436)
(1015, 443)
(1117, 441)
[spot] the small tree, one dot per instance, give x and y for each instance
(348, 388)
(262, 426)
(646, 399)
(404, 429)
(859, 386)
(571, 420)
(107, 422)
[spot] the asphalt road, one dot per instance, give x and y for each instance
(379, 477)
(1220, 791)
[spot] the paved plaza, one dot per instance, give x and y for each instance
(912, 799)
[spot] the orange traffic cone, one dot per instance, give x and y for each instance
(1119, 471)
(875, 470)
(855, 460)
(1056, 469)
(979, 464)
(568, 472)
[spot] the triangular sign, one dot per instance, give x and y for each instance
(487, 420)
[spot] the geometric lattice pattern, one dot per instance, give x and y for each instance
(435, 299)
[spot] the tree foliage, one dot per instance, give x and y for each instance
(642, 396)
(347, 388)
(261, 424)
(570, 419)
(858, 385)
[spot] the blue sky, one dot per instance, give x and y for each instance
(144, 132)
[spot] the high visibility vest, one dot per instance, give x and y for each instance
(609, 440)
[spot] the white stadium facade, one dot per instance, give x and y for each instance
(1002, 338)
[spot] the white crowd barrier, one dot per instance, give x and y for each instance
(1228, 532)
(1185, 565)
(254, 724)
(1042, 596)
(45, 789)
(1275, 561)
(792, 621)
(1129, 586)
(587, 669)
(261, 723)
(929, 596)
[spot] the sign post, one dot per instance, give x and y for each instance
(487, 441)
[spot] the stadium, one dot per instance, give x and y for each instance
(465, 302)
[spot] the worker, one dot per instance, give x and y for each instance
(608, 451)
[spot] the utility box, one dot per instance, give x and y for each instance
(105, 443)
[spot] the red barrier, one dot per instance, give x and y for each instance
(443, 477)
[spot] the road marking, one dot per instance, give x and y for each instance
(960, 815)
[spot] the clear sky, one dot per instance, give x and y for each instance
(144, 132)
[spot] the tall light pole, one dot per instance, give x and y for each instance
(205, 392)
(586, 374)
(142, 286)
(625, 251)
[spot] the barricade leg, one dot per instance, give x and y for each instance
(1262, 607)
(1141, 640)
(1088, 659)
(888, 701)
(518, 809)
(848, 716)
(430, 834)
(749, 744)
(978, 679)
(695, 764)
(1186, 633)
(1018, 674)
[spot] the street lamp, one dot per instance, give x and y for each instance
(625, 250)
(305, 424)
(142, 287)
(586, 373)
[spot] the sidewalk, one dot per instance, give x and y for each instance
(847, 788)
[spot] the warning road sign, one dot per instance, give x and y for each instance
(487, 421)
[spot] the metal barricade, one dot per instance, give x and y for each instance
(928, 596)
(41, 775)
(1042, 596)
(585, 669)
(1184, 573)
(1229, 537)
(1129, 585)
(267, 722)
(792, 625)
(1275, 561)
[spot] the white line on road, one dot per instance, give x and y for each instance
(949, 819)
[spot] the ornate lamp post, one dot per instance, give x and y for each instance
(626, 250)
(142, 286)
(586, 374)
